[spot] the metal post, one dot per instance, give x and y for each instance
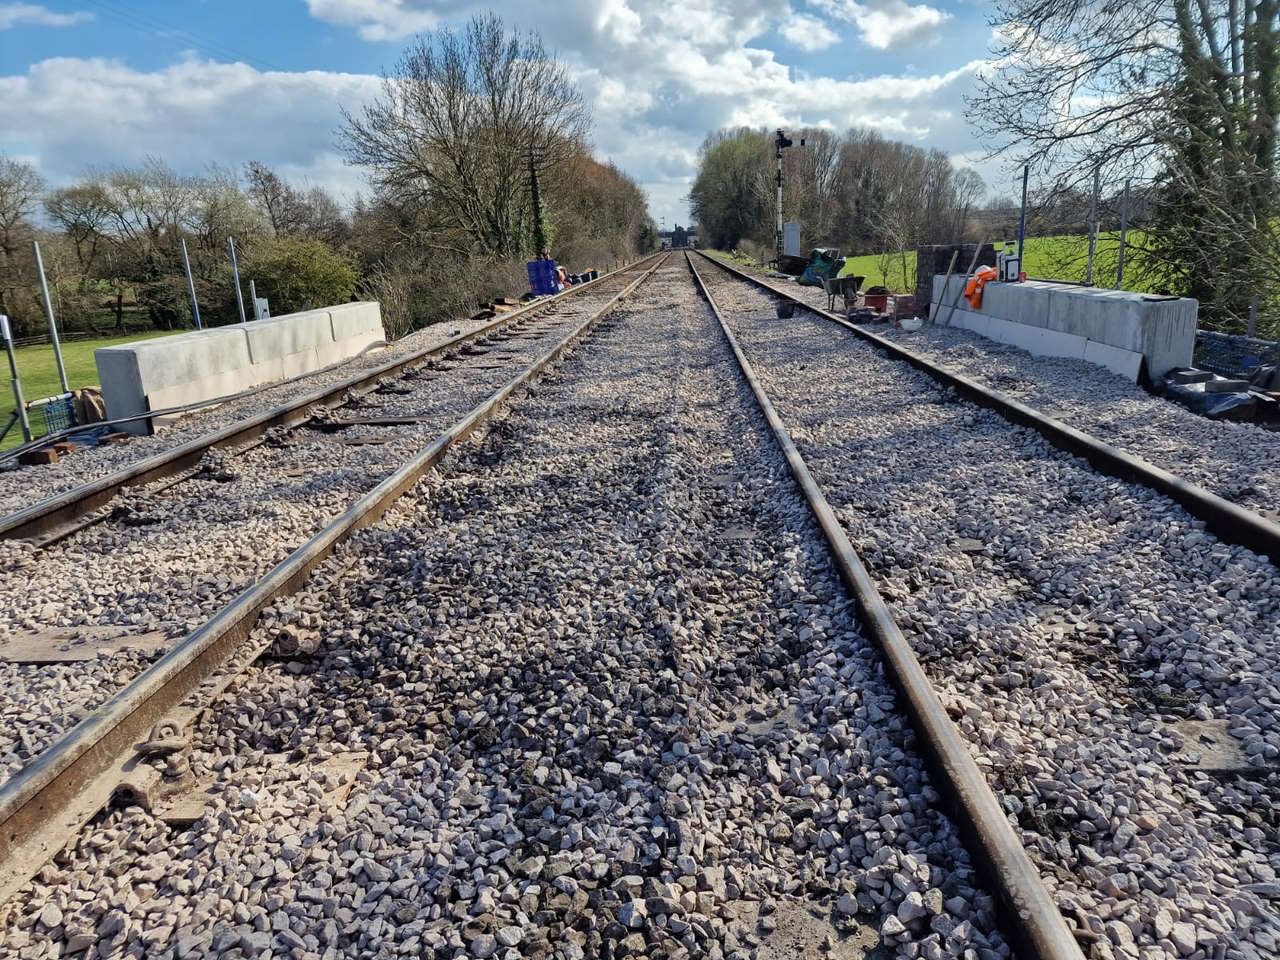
(235, 273)
(1022, 221)
(1093, 225)
(20, 406)
(48, 312)
(778, 235)
(1253, 316)
(1124, 232)
(191, 286)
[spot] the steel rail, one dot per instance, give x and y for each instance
(43, 805)
(1027, 914)
(1228, 521)
(48, 517)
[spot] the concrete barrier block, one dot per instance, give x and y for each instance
(1126, 363)
(351, 321)
(278, 337)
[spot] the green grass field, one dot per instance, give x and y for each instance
(39, 375)
(1048, 258)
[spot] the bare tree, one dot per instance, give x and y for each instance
(454, 125)
(20, 190)
(1179, 96)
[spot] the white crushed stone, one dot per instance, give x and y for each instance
(1070, 622)
(170, 560)
(615, 705)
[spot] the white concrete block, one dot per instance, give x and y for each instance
(1068, 317)
(352, 320)
(276, 338)
(1126, 363)
(202, 365)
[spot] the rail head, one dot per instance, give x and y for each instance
(1228, 521)
(1028, 914)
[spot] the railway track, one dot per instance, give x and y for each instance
(597, 690)
(158, 560)
(1113, 665)
(256, 525)
(690, 750)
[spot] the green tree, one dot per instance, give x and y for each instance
(299, 274)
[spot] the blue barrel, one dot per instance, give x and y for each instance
(542, 277)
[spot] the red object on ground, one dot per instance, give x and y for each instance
(879, 302)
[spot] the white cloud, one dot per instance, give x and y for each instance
(14, 14)
(376, 19)
(889, 24)
(74, 114)
(659, 78)
(808, 33)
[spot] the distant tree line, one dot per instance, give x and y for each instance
(858, 191)
(448, 221)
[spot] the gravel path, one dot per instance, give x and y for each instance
(613, 702)
(1083, 633)
(170, 560)
(22, 486)
(1237, 461)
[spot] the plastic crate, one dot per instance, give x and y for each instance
(59, 414)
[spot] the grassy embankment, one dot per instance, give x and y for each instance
(1048, 258)
(39, 375)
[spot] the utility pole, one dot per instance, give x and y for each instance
(1022, 220)
(19, 405)
(1124, 235)
(1093, 225)
(780, 143)
(191, 286)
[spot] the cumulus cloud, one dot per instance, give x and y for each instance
(660, 78)
(74, 114)
(377, 19)
(889, 24)
(14, 14)
(808, 33)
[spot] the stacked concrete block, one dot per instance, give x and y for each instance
(192, 367)
(1122, 331)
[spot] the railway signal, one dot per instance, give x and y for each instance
(780, 142)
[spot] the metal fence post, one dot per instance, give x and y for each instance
(1022, 220)
(48, 312)
(20, 406)
(235, 272)
(1093, 225)
(191, 286)
(1124, 233)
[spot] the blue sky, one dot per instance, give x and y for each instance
(88, 83)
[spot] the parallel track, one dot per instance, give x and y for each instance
(1029, 916)
(48, 800)
(66, 512)
(1229, 521)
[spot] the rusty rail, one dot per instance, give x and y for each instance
(43, 806)
(1028, 915)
